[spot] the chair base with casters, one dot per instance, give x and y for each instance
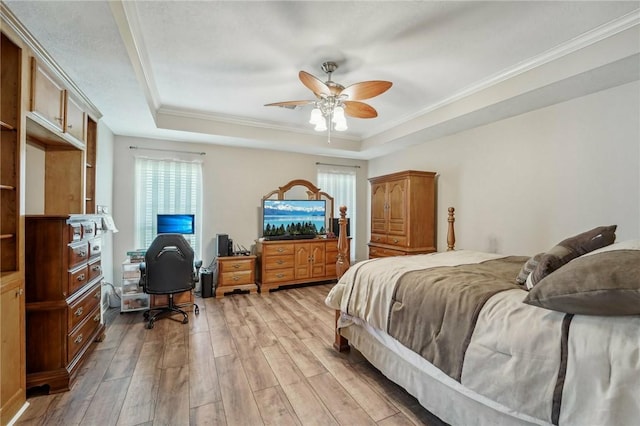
(168, 269)
(153, 314)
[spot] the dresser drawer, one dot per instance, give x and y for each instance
(82, 335)
(279, 262)
(75, 232)
(384, 252)
(235, 278)
(78, 253)
(378, 238)
(88, 229)
(278, 275)
(276, 249)
(397, 240)
(95, 247)
(95, 269)
(78, 278)
(231, 265)
(81, 308)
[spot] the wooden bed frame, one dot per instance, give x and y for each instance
(340, 343)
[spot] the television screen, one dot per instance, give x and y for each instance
(294, 218)
(176, 224)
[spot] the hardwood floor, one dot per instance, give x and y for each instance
(245, 360)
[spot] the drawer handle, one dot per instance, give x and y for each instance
(236, 265)
(78, 339)
(82, 253)
(280, 249)
(279, 275)
(78, 311)
(235, 278)
(69, 126)
(96, 318)
(80, 277)
(280, 262)
(395, 241)
(96, 268)
(97, 295)
(58, 119)
(95, 248)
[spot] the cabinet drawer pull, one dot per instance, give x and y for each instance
(395, 241)
(82, 253)
(235, 278)
(96, 268)
(279, 275)
(236, 265)
(96, 318)
(280, 249)
(280, 262)
(69, 126)
(80, 277)
(58, 119)
(95, 248)
(78, 311)
(97, 295)
(78, 339)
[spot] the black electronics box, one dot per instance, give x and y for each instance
(206, 282)
(223, 244)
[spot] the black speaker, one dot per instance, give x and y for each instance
(335, 226)
(222, 245)
(206, 282)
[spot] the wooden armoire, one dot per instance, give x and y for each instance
(402, 214)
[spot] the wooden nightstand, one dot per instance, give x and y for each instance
(236, 273)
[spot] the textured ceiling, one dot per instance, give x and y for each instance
(202, 71)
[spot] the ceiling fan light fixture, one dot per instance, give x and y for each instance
(316, 116)
(341, 126)
(338, 115)
(321, 125)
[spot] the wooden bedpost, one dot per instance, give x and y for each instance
(451, 235)
(342, 264)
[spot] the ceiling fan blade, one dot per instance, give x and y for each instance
(366, 89)
(313, 84)
(290, 104)
(359, 109)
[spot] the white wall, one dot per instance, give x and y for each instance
(104, 192)
(522, 184)
(234, 179)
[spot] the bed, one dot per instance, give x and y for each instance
(488, 339)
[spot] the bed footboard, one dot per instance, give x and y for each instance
(340, 343)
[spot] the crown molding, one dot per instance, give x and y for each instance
(41, 53)
(587, 39)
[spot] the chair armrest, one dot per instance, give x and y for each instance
(143, 276)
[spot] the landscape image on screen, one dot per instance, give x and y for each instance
(293, 217)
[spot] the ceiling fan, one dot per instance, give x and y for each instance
(334, 101)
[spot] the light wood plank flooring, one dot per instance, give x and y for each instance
(245, 360)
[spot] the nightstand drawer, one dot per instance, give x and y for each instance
(233, 264)
(236, 278)
(397, 240)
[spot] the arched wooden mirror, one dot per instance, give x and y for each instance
(300, 189)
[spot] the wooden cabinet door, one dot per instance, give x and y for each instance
(12, 350)
(75, 120)
(302, 261)
(47, 96)
(317, 251)
(397, 206)
(378, 208)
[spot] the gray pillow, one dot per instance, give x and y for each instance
(527, 268)
(606, 283)
(572, 247)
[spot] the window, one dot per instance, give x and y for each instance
(169, 187)
(340, 183)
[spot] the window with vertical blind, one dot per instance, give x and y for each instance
(340, 183)
(167, 187)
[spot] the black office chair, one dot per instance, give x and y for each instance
(168, 268)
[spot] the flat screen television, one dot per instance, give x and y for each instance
(292, 219)
(176, 224)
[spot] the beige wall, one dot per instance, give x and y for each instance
(235, 180)
(522, 184)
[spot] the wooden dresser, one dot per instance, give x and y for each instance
(62, 296)
(282, 263)
(402, 214)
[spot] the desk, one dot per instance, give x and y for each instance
(236, 273)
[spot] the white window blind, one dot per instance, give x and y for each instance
(167, 187)
(340, 183)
